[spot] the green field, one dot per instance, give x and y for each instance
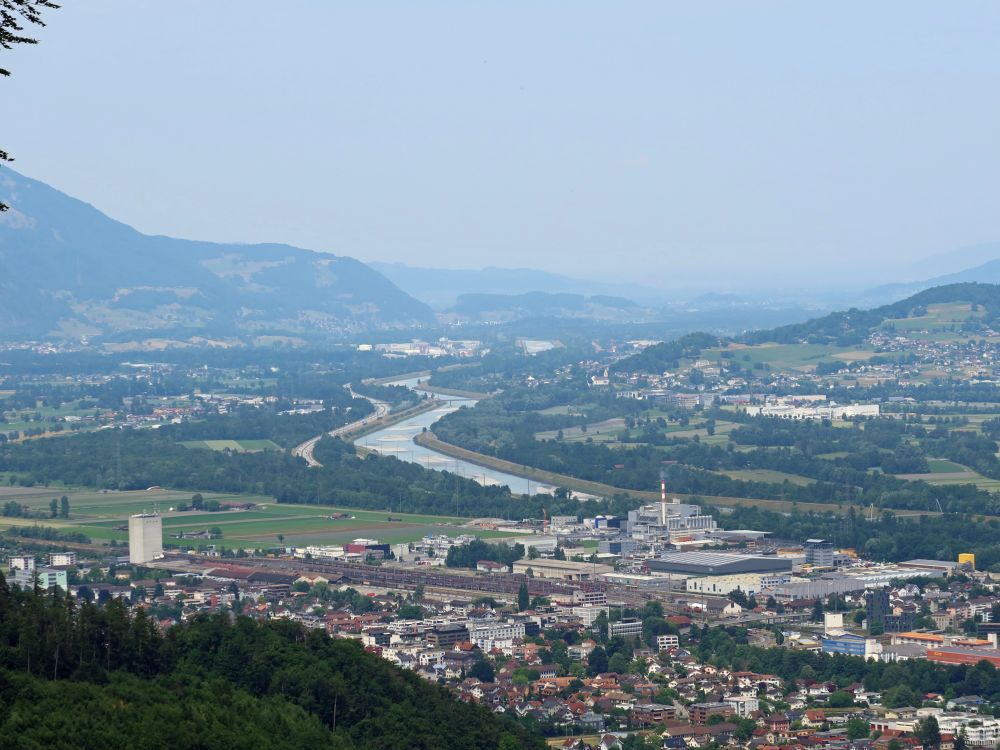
(784, 356)
(605, 431)
(97, 514)
(944, 472)
(237, 446)
(944, 314)
(944, 466)
(765, 475)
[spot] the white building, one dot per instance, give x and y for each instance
(145, 537)
(589, 612)
(666, 642)
(786, 410)
(62, 558)
(743, 705)
(629, 627)
(21, 562)
(491, 635)
(748, 583)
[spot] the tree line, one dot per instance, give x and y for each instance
(76, 674)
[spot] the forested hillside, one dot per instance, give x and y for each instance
(851, 326)
(74, 675)
(506, 427)
(845, 328)
(66, 269)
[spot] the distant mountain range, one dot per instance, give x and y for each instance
(442, 287)
(503, 308)
(985, 273)
(68, 270)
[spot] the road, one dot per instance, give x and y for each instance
(305, 450)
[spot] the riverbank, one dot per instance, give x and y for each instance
(430, 441)
(426, 405)
(456, 392)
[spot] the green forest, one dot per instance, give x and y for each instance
(75, 675)
(852, 464)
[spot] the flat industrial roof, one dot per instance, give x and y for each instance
(710, 558)
(559, 564)
(718, 563)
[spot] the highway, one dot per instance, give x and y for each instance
(305, 450)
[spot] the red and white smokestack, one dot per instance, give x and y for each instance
(663, 490)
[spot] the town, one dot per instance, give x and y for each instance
(599, 630)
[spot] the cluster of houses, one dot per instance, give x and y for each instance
(577, 674)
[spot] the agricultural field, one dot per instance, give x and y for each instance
(937, 317)
(785, 356)
(766, 475)
(944, 466)
(236, 446)
(943, 472)
(44, 418)
(102, 516)
(606, 431)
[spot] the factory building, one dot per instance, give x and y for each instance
(836, 640)
(847, 581)
(667, 522)
(850, 644)
(748, 583)
(565, 570)
(969, 656)
(717, 564)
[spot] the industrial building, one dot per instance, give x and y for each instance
(848, 580)
(850, 644)
(717, 564)
(619, 546)
(832, 411)
(748, 583)
(819, 553)
(145, 537)
(836, 640)
(956, 655)
(641, 582)
(565, 570)
(945, 567)
(668, 522)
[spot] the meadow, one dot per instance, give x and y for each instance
(101, 516)
(238, 446)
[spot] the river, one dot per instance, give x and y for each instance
(397, 440)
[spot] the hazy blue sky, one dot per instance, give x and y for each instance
(655, 141)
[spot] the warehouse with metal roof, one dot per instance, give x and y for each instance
(717, 563)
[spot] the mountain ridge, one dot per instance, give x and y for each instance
(66, 270)
(843, 328)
